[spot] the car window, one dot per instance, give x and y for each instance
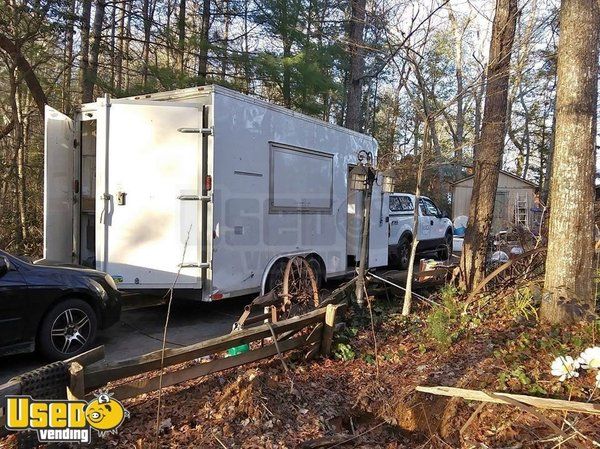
(428, 208)
(401, 204)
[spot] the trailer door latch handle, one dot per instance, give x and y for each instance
(193, 198)
(193, 265)
(204, 131)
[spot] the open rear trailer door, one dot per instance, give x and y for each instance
(378, 232)
(149, 187)
(58, 187)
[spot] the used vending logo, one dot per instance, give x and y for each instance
(65, 421)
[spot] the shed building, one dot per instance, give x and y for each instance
(514, 200)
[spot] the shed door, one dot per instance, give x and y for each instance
(58, 186)
(501, 220)
(148, 187)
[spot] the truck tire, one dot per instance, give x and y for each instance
(445, 252)
(404, 247)
(68, 329)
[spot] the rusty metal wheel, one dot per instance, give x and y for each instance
(300, 291)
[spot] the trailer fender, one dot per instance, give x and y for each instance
(274, 259)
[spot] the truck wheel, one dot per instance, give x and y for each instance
(404, 247)
(68, 329)
(445, 252)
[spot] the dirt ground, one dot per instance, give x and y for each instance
(362, 398)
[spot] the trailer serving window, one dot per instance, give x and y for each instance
(301, 180)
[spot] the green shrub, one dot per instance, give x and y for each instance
(343, 351)
(443, 320)
(522, 304)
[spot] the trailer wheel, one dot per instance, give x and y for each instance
(317, 270)
(275, 277)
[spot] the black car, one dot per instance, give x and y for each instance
(54, 309)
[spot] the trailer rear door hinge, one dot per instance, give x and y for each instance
(203, 131)
(193, 198)
(193, 265)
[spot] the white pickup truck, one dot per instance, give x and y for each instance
(434, 229)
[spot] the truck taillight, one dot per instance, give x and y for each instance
(208, 183)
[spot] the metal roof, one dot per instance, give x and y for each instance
(504, 172)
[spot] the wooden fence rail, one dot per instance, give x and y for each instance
(98, 376)
(87, 375)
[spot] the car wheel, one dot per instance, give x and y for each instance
(444, 253)
(404, 247)
(68, 329)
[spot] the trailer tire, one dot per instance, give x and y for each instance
(275, 276)
(315, 265)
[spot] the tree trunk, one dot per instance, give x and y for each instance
(246, 55)
(204, 39)
(181, 35)
(569, 264)
(68, 72)
(88, 87)
(113, 45)
(225, 55)
(548, 172)
(33, 84)
(287, 74)
(458, 61)
(356, 49)
(121, 40)
(129, 6)
(86, 13)
(147, 16)
(490, 146)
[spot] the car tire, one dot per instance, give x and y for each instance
(68, 329)
(403, 253)
(445, 252)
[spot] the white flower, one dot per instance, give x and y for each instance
(590, 358)
(598, 380)
(564, 367)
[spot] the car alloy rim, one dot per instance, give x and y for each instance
(70, 331)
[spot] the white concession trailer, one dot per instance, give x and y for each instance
(213, 184)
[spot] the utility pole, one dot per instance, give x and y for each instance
(362, 178)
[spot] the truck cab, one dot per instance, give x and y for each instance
(434, 229)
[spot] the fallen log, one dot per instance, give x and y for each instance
(508, 398)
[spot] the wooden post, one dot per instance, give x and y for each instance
(327, 339)
(76, 388)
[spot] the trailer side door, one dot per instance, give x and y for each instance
(149, 188)
(58, 186)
